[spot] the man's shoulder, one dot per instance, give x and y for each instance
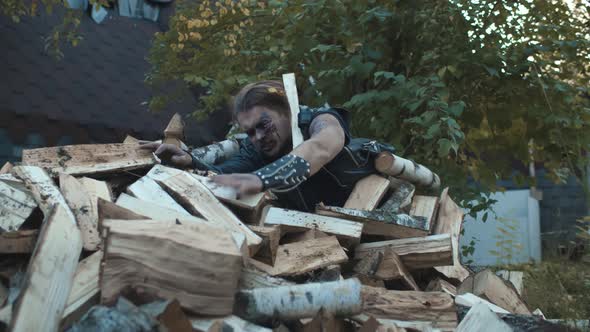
(308, 114)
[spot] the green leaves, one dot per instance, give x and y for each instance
(453, 87)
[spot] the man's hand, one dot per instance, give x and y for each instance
(245, 184)
(170, 154)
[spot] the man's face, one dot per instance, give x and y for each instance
(269, 131)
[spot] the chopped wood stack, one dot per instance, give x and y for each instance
(387, 260)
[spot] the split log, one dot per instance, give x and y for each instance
(89, 158)
(426, 207)
(270, 242)
(254, 278)
(469, 300)
(398, 167)
(386, 265)
(43, 189)
(481, 319)
(6, 168)
(380, 222)
(199, 200)
(85, 289)
(125, 316)
(301, 257)
(229, 195)
(348, 232)
(392, 267)
(488, 285)
(416, 253)
(169, 314)
(226, 194)
(18, 242)
(369, 264)
(203, 274)
(292, 97)
(373, 325)
(440, 285)
(367, 193)
(310, 234)
(110, 210)
(392, 323)
(403, 191)
(13, 181)
(369, 281)
(217, 152)
(155, 212)
(229, 323)
(83, 208)
(148, 190)
(50, 274)
(435, 307)
(328, 273)
(15, 207)
(174, 132)
(514, 277)
(450, 221)
(130, 140)
(323, 321)
(339, 298)
(96, 189)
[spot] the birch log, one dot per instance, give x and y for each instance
(403, 191)
(217, 152)
(49, 275)
(398, 167)
(293, 99)
(339, 298)
(380, 222)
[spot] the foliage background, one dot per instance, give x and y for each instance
(472, 89)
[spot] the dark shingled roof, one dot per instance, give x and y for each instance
(95, 93)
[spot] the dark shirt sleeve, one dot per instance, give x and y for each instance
(245, 161)
(338, 113)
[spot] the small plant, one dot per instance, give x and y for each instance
(506, 243)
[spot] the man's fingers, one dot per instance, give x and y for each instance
(149, 145)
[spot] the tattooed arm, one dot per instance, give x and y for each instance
(325, 142)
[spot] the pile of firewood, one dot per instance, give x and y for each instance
(114, 241)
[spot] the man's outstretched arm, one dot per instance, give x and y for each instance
(326, 141)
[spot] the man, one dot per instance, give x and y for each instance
(324, 168)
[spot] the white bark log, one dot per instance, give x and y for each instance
(396, 166)
(339, 298)
(217, 152)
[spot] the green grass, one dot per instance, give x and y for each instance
(560, 288)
